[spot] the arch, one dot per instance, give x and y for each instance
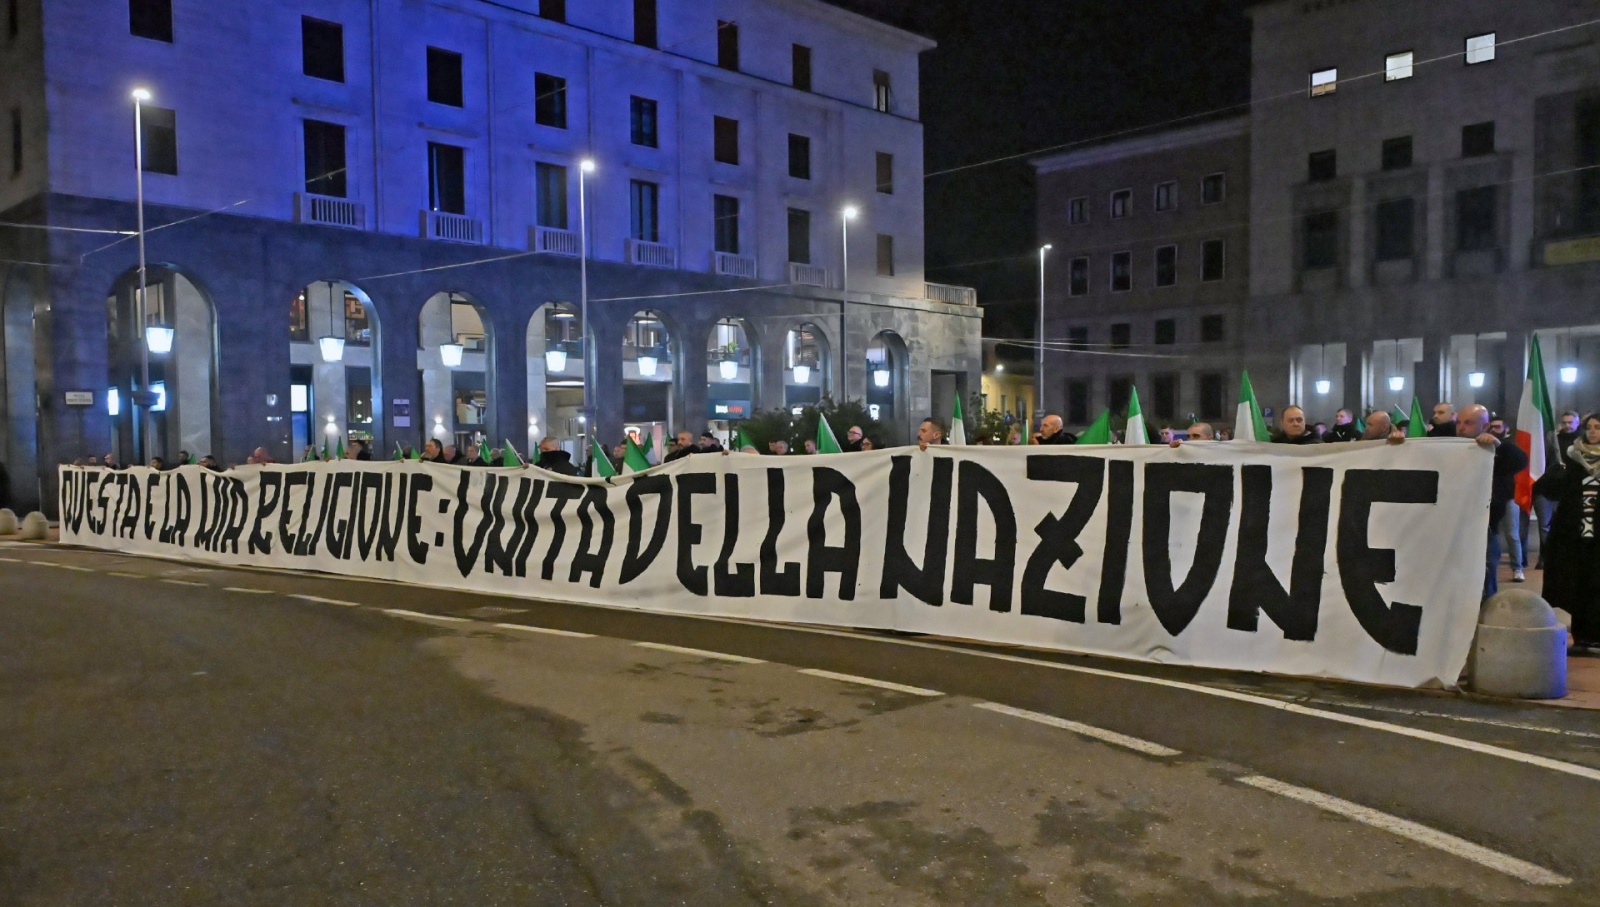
(649, 371)
(335, 372)
(556, 347)
(183, 376)
(732, 371)
(806, 345)
(887, 379)
(456, 360)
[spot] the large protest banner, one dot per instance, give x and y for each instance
(1357, 561)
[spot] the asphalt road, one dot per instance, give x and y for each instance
(174, 734)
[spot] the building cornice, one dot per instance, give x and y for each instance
(1152, 143)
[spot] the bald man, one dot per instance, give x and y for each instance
(1380, 426)
(1200, 431)
(1473, 423)
(1052, 432)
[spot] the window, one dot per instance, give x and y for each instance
(799, 156)
(1165, 399)
(1166, 196)
(1211, 329)
(549, 100)
(550, 189)
(1166, 266)
(728, 44)
(1077, 402)
(1078, 211)
(13, 25)
(885, 173)
(800, 67)
(150, 19)
(1121, 271)
(1213, 189)
(1480, 49)
(322, 49)
(1213, 259)
(1398, 66)
(16, 140)
(885, 255)
(1078, 277)
(644, 22)
(642, 122)
(1077, 338)
(444, 77)
(1322, 166)
(1320, 231)
(725, 214)
(800, 236)
(1166, 331)
(1324, 81)
(1211, 396)
(881, 94)
(1477, 139)
(1121, 336)
(325, 166)
(447, 178)
(1395, 229)
(725, 140)
(554, 10)
(158, 128)
(644, 206)
(1397, 153)
(1121, 201)
(1477, 217)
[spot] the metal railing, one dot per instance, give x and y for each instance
(808, 275)
(329, 211)
(554, 241)
(451, 227)
(940, 292)
(651, 254)
(731, 265)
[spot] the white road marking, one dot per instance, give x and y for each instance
(247, 591)
(1492, 722)
(397, 612)
(1087, 730)
(14, 560)
(181, 582)
(870, 682)
(701, 653)
(90, 570)
(547, 630)
(326, 601)
(1422, 834)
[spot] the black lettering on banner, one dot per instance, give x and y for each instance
(129, 524)
(690, 485)
(208, 519)
(1119, 535)
(1058, 536)
(164, 533)
(115, 520)
(1176, 608)
(287, 541)
(467, 558)
(740, 580)
(367, 515)
(596, 499)
(150, 483)
(1396, 627)
(180, 523)
(71, 510)
(496, 554)
(261, 542)
(219, 512)
(559, 494)
(323, 518)
(1255, 588)
(636, 560)
(998, 572)
(238, 516)
(526, 519)
(98, 527)
(822, 559)
(899, 571)
(773, 580)
(416, 546)
(339, 530)
(394, 512)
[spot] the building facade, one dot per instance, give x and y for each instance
(368, 220)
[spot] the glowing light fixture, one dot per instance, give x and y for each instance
(999, 367)
(555, 360)
(1324, 386)
(802, 374)
(647, 366)
(450, 354)
(729, 369)
(1475, 379)
(158, 337)
(1397, 384)
(113, 402)
(881, 377)
(1569, 374)
(332, 348)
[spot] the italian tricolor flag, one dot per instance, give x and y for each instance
(1534, 421)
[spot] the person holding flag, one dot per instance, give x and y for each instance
(633, 458)
(1509, 460)
(1248, 422)
(826, 441)
(599, 463)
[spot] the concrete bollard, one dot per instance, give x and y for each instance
(8, 521)
(1521, 649)
(35, 526)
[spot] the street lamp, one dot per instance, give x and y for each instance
(1038, 354)
(585, 167)
(141, 95)
(846, 215)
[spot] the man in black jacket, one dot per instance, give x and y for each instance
(1473, 422)
(553, 458)
(1292, 428)
(1051, 431)
(1344, 428)
(1444, 421)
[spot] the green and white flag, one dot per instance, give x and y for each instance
(602, 462)
(508, 457)
(649, 449)
(1418, 428)
(1247, 423)
(1099, 432)
(1137, 432)
(483, 451)
(826, 442)
(338, 453)
(324, 455)
(958, 425)
(634, 460)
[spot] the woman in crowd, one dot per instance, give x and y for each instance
(1572, 577)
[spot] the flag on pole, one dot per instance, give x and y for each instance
(1247, 423)
(324, 455)
(633, 459)
(1534, 422)
(399, 452)
(338, 453)
(1399, 416)
(826, 442)
(1099, 432)
(958, 425)
(1418, 427)
(602, 462)
(1137, 433)
(741, 440)
(414, 455)
(508, 457)
(649, 449)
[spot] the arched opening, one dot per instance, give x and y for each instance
(886, 378)
(807, 366)
(647, 374)
(333, 366)
(733, 366)
(457, 377)
(556, 348)
(176, 342)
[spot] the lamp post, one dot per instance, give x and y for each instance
(140, 95)
(585, 166)
(846, 215)
(1038, 354)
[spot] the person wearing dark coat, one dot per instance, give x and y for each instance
(1572, 565)
(1292, 428)
(1443, 424)
(553, 458)
(686, 447)
(1052, 432)
(1473, 423)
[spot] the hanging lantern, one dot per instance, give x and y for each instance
(158, 337)
(802, 374)
(647, 365)
(729, 369)
(555, 360)
(450, 354)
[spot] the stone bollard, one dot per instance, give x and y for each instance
(1521, 649)
(8, 522)
(35, 526)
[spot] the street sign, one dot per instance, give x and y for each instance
(79, 398)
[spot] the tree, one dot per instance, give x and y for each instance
(985, 426)
(781, 425)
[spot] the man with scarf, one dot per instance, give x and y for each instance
(1572, 567)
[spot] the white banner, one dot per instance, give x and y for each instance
(1357, 561)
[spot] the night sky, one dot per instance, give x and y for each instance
(1017, 76)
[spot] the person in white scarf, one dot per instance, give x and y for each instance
(1572, 566)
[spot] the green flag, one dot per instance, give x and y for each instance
(324, 454)
(648, 448)
(414, 455)
(508, 456)
(826, 442)
(483, 452)
(958, 425)
(1399, 416)
(399, 452)
(1137, 432)
(338, 453)
(602, 462)
(1419, 425)
(633, 458)
(1099, 432)
(1248, 424)
(192, 460)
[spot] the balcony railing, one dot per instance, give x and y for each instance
(651, 254)
(808, 275)
(553, 241)
(329, 211)
(940, 292)
(451, 227)
(731, 265)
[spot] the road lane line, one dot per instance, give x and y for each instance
(547, 630)
(182, 582)
(1087, 730)
(1468, 719)
(398, 612)
(247, 591)
(90, 570)
(1422, 834)
(14, 560)
(870, 682)
(700, 653)
(325, 601)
